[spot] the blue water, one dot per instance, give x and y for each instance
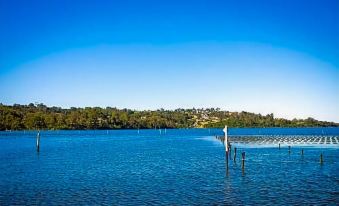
(179, 167)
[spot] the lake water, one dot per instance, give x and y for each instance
(172, 167)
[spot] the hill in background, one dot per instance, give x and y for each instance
(39, 116)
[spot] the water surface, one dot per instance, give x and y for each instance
(172, 167)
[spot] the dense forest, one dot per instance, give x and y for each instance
(39, 116)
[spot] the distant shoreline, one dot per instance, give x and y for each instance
(39, 116)
(149, 129)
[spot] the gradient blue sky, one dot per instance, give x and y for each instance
(274, 56)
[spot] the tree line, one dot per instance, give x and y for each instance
(39, 116)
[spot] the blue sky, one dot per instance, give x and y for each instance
(271, 56)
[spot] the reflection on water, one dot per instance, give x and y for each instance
(182, 167)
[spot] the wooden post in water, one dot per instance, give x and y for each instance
(235, 154)
(38, 141)
(279, 146)
(226, 146)
(321, 158)
(289, 149)
(226, 138)
(226, 158)
(302, 151)
(243, 160)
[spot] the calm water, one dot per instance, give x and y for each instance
(179, 167)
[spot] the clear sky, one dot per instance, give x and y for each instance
(273, 56)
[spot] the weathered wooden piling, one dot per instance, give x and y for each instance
(226, 153)
(321, 158)
(235, 154)
(226, 146)
(302, 151)
(279, 146)
(38, 142)
(226, 138)
(243, 160)
(289, 149)
(230, 151)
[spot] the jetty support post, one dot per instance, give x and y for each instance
(38, 141)
(302, 151)
(235, 154)
(321, 158)
(289, 149)
(279, 146)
